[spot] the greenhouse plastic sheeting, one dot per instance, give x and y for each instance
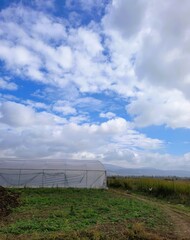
(52, 173)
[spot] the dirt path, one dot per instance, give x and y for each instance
(179, 218)
(181, 223)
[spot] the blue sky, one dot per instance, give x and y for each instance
(93, 79)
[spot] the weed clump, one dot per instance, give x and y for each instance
(8, 200)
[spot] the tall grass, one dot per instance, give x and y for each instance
(175, 190)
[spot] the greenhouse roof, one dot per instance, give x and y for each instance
(68, 164)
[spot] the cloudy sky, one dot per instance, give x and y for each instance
(93, 79)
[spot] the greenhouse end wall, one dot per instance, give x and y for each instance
(49, 173)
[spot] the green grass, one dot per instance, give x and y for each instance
(175, 190)
(47, 211)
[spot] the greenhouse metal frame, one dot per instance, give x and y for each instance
(52, 173)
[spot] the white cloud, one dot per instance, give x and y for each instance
(77, 105)
(17, 55)
(43, 5)
(8, 97)
(22, 129)
(73, 57)
(163, 57)
(64, 108)
(83, 102)
(36, 105)
(64, 55)
(25, 133)
(90, 41)
(79, 119)
(150, 42)
(159, 107)
(139, 50)
(19, 115)
(39, 31)
(60, 57)
(86, 5)
(6, 84)
(108, 115)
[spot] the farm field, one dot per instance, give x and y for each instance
(89, 214)
(169, 189)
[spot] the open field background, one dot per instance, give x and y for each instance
(170, 189)
(118, 213)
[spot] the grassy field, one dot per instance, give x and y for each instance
(82, 214)
(174, 190)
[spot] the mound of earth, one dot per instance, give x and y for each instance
(8, 200)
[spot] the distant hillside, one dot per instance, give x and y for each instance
(116, 170)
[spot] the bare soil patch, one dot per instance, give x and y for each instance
(180, 221)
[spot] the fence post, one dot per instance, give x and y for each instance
(43, 178)
(19, 178)
(86, 178)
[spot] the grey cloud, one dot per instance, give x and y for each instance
(163, 56)
(126, 16)
(18, 115)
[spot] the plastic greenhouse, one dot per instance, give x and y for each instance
(52, 173)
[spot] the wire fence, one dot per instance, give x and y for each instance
(53, 178)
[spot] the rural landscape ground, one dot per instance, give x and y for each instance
(120, 212)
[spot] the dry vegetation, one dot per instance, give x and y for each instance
(170, 189)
